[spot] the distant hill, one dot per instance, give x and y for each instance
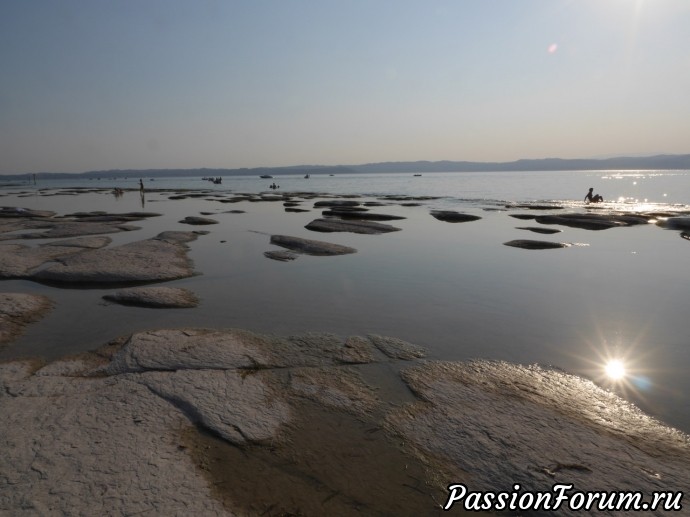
(663, 161)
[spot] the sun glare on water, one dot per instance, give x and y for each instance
(615, 369)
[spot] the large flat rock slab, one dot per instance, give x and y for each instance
(17, 310)
(18, 260)
(161, 258)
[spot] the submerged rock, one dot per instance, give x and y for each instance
(18, 310)
(527, 244)
(159, 297)
(353, 226)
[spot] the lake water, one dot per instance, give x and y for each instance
(454, 288)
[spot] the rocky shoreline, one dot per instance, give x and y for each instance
(201, 421)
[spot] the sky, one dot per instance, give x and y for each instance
(130, 84)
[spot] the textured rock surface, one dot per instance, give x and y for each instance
(195, 421)
(502, 424)
(161, 258)
(19, 260)
(18, 310)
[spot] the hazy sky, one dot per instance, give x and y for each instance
(104, 84)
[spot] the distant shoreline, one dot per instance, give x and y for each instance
(657, 162)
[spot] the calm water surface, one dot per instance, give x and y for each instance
(454, 288)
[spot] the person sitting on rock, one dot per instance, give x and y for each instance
(593, 198)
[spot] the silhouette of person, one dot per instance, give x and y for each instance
(593, 198)
(141, 185)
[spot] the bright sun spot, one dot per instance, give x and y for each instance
(615, 369)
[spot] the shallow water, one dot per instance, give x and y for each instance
(454, 288)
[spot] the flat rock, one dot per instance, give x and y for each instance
(528, 244)
(159, 297)
(153, 260)
(336, 202)
(310, 247)
(528, 206)
(15, 211)
(18, 310)
(496, 424)
(360, 215)
(19, 261)
(592, 221)
(282, 256)
(525, 217)
(195, 220)
(353, 226)
(451, 216)
(114, 218)
(537, 229)
(56, 229)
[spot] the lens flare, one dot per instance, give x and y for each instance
(615, 369)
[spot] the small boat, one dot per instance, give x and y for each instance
(306, 176)
(417, 174)
(265, 176)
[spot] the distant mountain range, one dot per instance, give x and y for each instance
(662, 161)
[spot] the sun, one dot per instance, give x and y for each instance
(615, 369)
